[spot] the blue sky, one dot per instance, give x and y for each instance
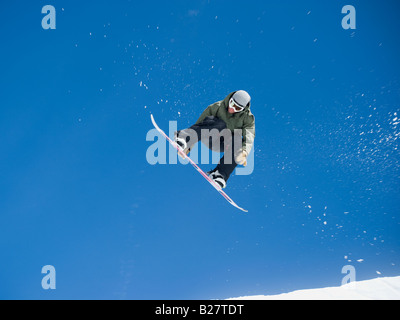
(78, 193)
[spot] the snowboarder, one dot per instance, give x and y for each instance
(226, 126)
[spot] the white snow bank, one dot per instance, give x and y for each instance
(376, 289)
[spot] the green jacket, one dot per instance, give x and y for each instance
(242, 120)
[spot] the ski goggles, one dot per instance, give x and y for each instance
(235, 106)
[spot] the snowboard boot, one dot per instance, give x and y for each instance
(182, 144)
(218, 178)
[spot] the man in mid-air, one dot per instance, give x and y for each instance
(226, 126)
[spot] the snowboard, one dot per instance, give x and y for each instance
(205, 176)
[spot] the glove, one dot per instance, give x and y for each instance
(241, 157)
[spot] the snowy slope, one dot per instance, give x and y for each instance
(376, 289)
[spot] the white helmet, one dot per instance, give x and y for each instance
(241, 98)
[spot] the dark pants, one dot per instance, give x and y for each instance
(214, 134)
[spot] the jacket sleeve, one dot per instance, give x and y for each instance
(249, 134)
(210, 111)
